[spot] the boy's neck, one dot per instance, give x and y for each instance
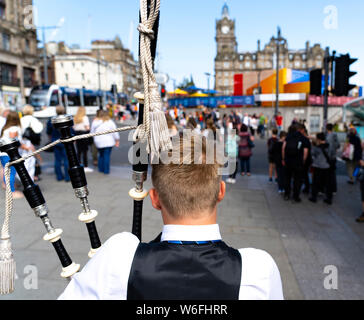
(203, 219)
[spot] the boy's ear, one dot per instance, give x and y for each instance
(222, 191)
(155, 199)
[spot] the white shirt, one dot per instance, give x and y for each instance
(246, 121)
(107, 140)
(33, 122)
(106, 275)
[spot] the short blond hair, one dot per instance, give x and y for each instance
(28, 110)
(188, 185)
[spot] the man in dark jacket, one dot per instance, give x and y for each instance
(294, 153)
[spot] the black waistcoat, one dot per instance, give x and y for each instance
(166, 271)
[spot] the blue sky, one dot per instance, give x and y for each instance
(187, 28)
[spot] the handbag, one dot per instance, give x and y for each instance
(33, 137)
(359, 174)
(348, 153)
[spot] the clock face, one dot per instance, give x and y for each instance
(225, 29)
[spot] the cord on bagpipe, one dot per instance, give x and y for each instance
(152, 126)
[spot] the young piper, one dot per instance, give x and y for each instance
(188, 260)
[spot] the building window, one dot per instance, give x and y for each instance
(9, 74)
(297, 64)
(226, 64)
(27, 46)
(29, 77)
(247, 64)
(83, 76)
(2, 9)
(226, 82)
(66, 76)
(6, 41)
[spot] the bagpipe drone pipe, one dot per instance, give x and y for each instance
(151, 137)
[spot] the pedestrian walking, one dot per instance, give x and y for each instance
(278, 161)
(246, 145)
(321, 169)
(308, 162)
(82, 126)
(294, 154)
(32, 130)
(60, 157)
(352, 153)
(232, 151)
(361, 180)
(105, 143)
(334, 146)
(270, 144)
(94, 151)
(279, 122)
(253, 125)
(12, 130)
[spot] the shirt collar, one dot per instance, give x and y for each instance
(173, 232)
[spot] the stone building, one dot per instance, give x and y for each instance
(76, 68)
(18, 52)
(113, 51)
(259, 64)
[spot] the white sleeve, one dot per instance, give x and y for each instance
(260, 277)
(106, 275)
(36, 125)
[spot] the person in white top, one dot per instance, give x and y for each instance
(12, 130)
(253, 124)
(187, 195)
(105, 143)
(82, 126)
(246, 120)
(29, 121)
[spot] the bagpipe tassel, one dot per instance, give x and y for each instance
(159, 132)
(7, 267)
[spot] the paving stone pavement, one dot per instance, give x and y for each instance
(302, 238)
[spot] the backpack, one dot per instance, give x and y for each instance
(293, 147)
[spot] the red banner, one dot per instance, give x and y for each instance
(333, 101)
(238, 84)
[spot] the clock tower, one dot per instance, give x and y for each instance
(226, 52)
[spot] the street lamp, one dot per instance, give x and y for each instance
(45, 61)
(279, 40)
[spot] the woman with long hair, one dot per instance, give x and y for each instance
(82, 126)
(12, 130)
(245, 149)
(105, 143)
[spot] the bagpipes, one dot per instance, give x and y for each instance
(151, 133)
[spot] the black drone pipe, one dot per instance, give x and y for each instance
(140, 169)
(64, 123)
(36, 201)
